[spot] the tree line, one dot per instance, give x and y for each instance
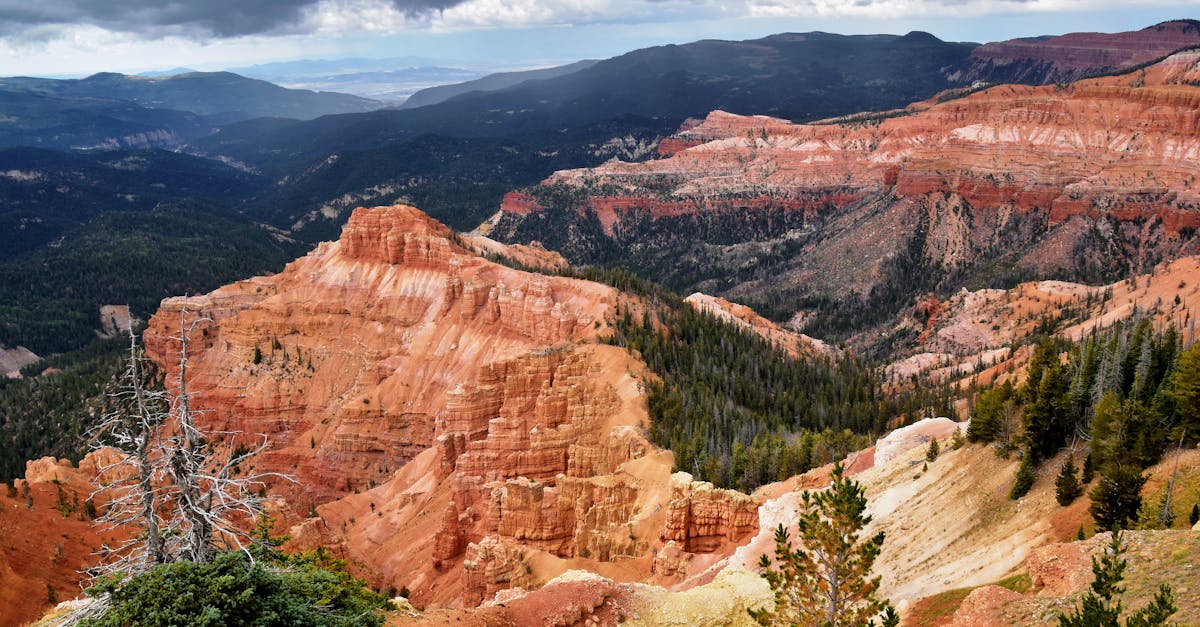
(1124, 394)
(740, 412)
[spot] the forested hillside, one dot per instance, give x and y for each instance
(1126, 394)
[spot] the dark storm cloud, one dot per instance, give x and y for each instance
(221, 18)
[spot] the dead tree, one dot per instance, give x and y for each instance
(133, 483)
(174, 483)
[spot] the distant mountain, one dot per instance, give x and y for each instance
(1040, 60)
(115, 111)
(626, 101)
(388, 80)
(285, 70)
(491, 82)
(798, 76)
(223, 95)
(170, 72)
(48, 121)
(391, 86)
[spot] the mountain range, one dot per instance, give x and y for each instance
(108, 111)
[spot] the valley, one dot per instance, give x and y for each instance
(568, 347)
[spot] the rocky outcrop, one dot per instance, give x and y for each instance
(346, 357)
(13, 359)
(702, 518)
(918, 434)
(796, 344)
(984, 607)
(49, 539)
(1092, 180)
(115, 320)
(451, 425)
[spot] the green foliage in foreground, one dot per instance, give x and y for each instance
(307, 589)
(1098, 609)
(827, 579)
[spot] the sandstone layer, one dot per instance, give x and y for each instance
(1091, 180)
(451, 425)
(1076, 55)
(47, 537)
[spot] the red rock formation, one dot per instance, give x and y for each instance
(1071, 56)
(984, 607)
(451, 422)
(702, 518)
(46, 537)
(1017, 169)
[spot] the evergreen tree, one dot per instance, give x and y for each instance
(1109, 376)
(1024, 479)
(1184, 391)
(1117, 498)
(1098, 607)
(989, 413)
(1047, 418)
(1126, 432)
(1066, 487)
(231, 589)
(1089, 469)
(932, 452)
(827, 580)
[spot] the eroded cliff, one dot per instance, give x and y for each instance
(1091, 180)
(452, 426)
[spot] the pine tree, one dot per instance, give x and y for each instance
(1066, 487)
(1089, 469)
(1117, 498)
(1098, 609)
(933, 451)
(1024, 479)
(989, 413)
(1046, 419)
(827, 580)
(1184, 391)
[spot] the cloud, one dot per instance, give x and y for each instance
(39, 21)
(197, 18)
(896, 9)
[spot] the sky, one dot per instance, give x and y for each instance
(80, 37)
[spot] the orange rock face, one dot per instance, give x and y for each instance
(1023, 172)
(451, 425)
(1124, 144)
(701, 518)
(48, 539)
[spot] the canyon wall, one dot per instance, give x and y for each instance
(1093, 180)
(450, 425)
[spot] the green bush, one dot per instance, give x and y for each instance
(309, 589)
